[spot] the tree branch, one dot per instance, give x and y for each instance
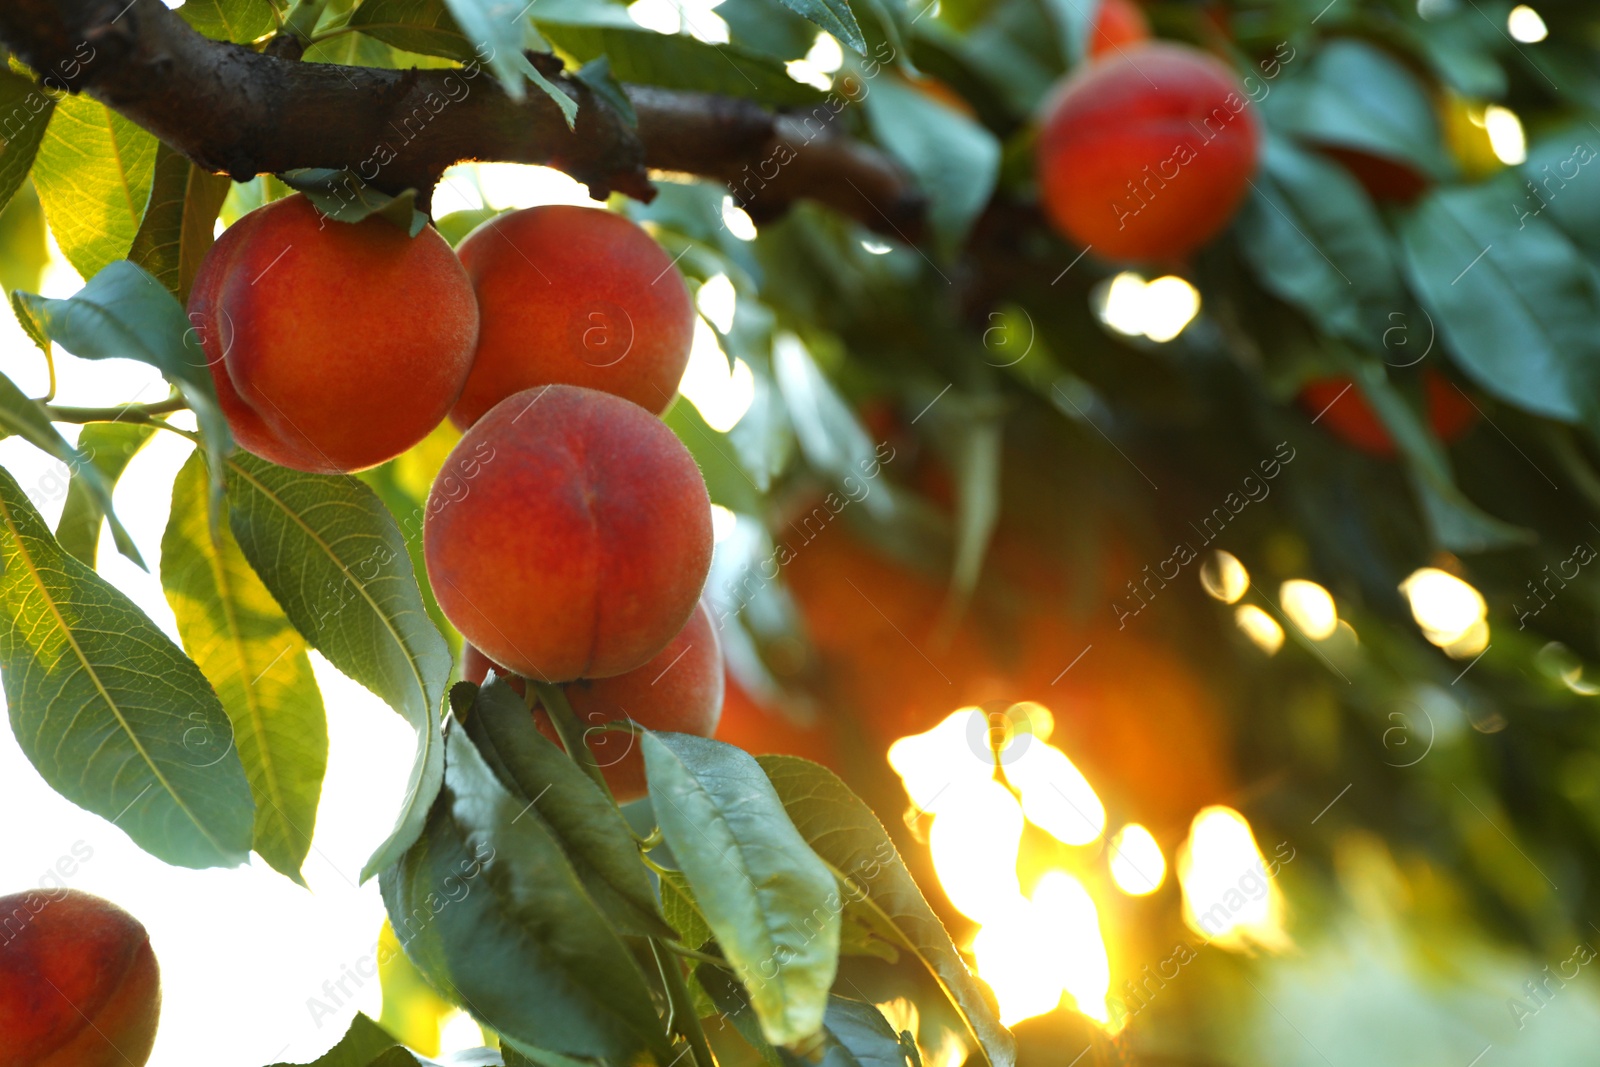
(233, 110)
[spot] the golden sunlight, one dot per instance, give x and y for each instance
(1229, 896)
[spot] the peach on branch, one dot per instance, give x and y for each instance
(577, 296)
(334, 346)
(580, 549)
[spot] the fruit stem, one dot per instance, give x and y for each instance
(695, 954)
(684, 1019)
(554, 701)
(116, 413)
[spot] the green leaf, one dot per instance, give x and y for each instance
(29, 420)
(179, 225)
(834, 16)
(830, 435)
(588, 825)
(333, 558)
(27, 112)
(499, 33)
(1314, 240)
(341, 195)
(108, 446)
(258, 665)
(361, 1046)
(728, 483)
(239, 21)
(767, 27)
(770, 900)
(954, 160)
(488, 907)
(24, 249)
(113, 714)
(1355, 95)
(854, 1033)
(124, 313)
(423, 26)
(1513, 300)
(93, 173)
(672, 61)
(683, 914)
(854, 844)
(596, 74)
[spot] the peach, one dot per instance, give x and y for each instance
(1118, 24)
(577, 296)
(334, 346)
(579, 547)
(1147, 154)
(1338, 404)
(680, 690)
(79, 985)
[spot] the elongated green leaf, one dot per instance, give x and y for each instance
(124, 313)
(1314, 239)
(682, 913)
(335, 561)
(955, 160)
(93, 173)
(854, 1033)
(112, 714)
(849, 837)
(179, 225)
(488, 907)
(239, 21)
(769, 899)
(424, 26)
(830, 435)
(24, 115)
(673, 61)
(834, 16)
(258, 665)
(361, 1046)
(587, 824)
(28, 420)
(108, 446)
(1358, 96)
(1512, 298)
(24, 248)
(499, 34)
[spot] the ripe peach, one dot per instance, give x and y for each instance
(577, 296)
(1339, 405)
(1120, 23)
(579, 547)
(79, 985)
(334, 346)
(680, 690)
(1147, 154)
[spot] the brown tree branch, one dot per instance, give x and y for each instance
(243, 113)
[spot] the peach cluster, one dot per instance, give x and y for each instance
(577, 550)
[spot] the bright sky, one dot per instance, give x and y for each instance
(243, 951)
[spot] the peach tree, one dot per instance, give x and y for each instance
(935, 255)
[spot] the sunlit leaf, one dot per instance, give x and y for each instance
(93, 173)
(112, 714)
(849, 837)
(333, 558)
(107, 446)
(490, 910)
(258, 665)
(771, 902)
